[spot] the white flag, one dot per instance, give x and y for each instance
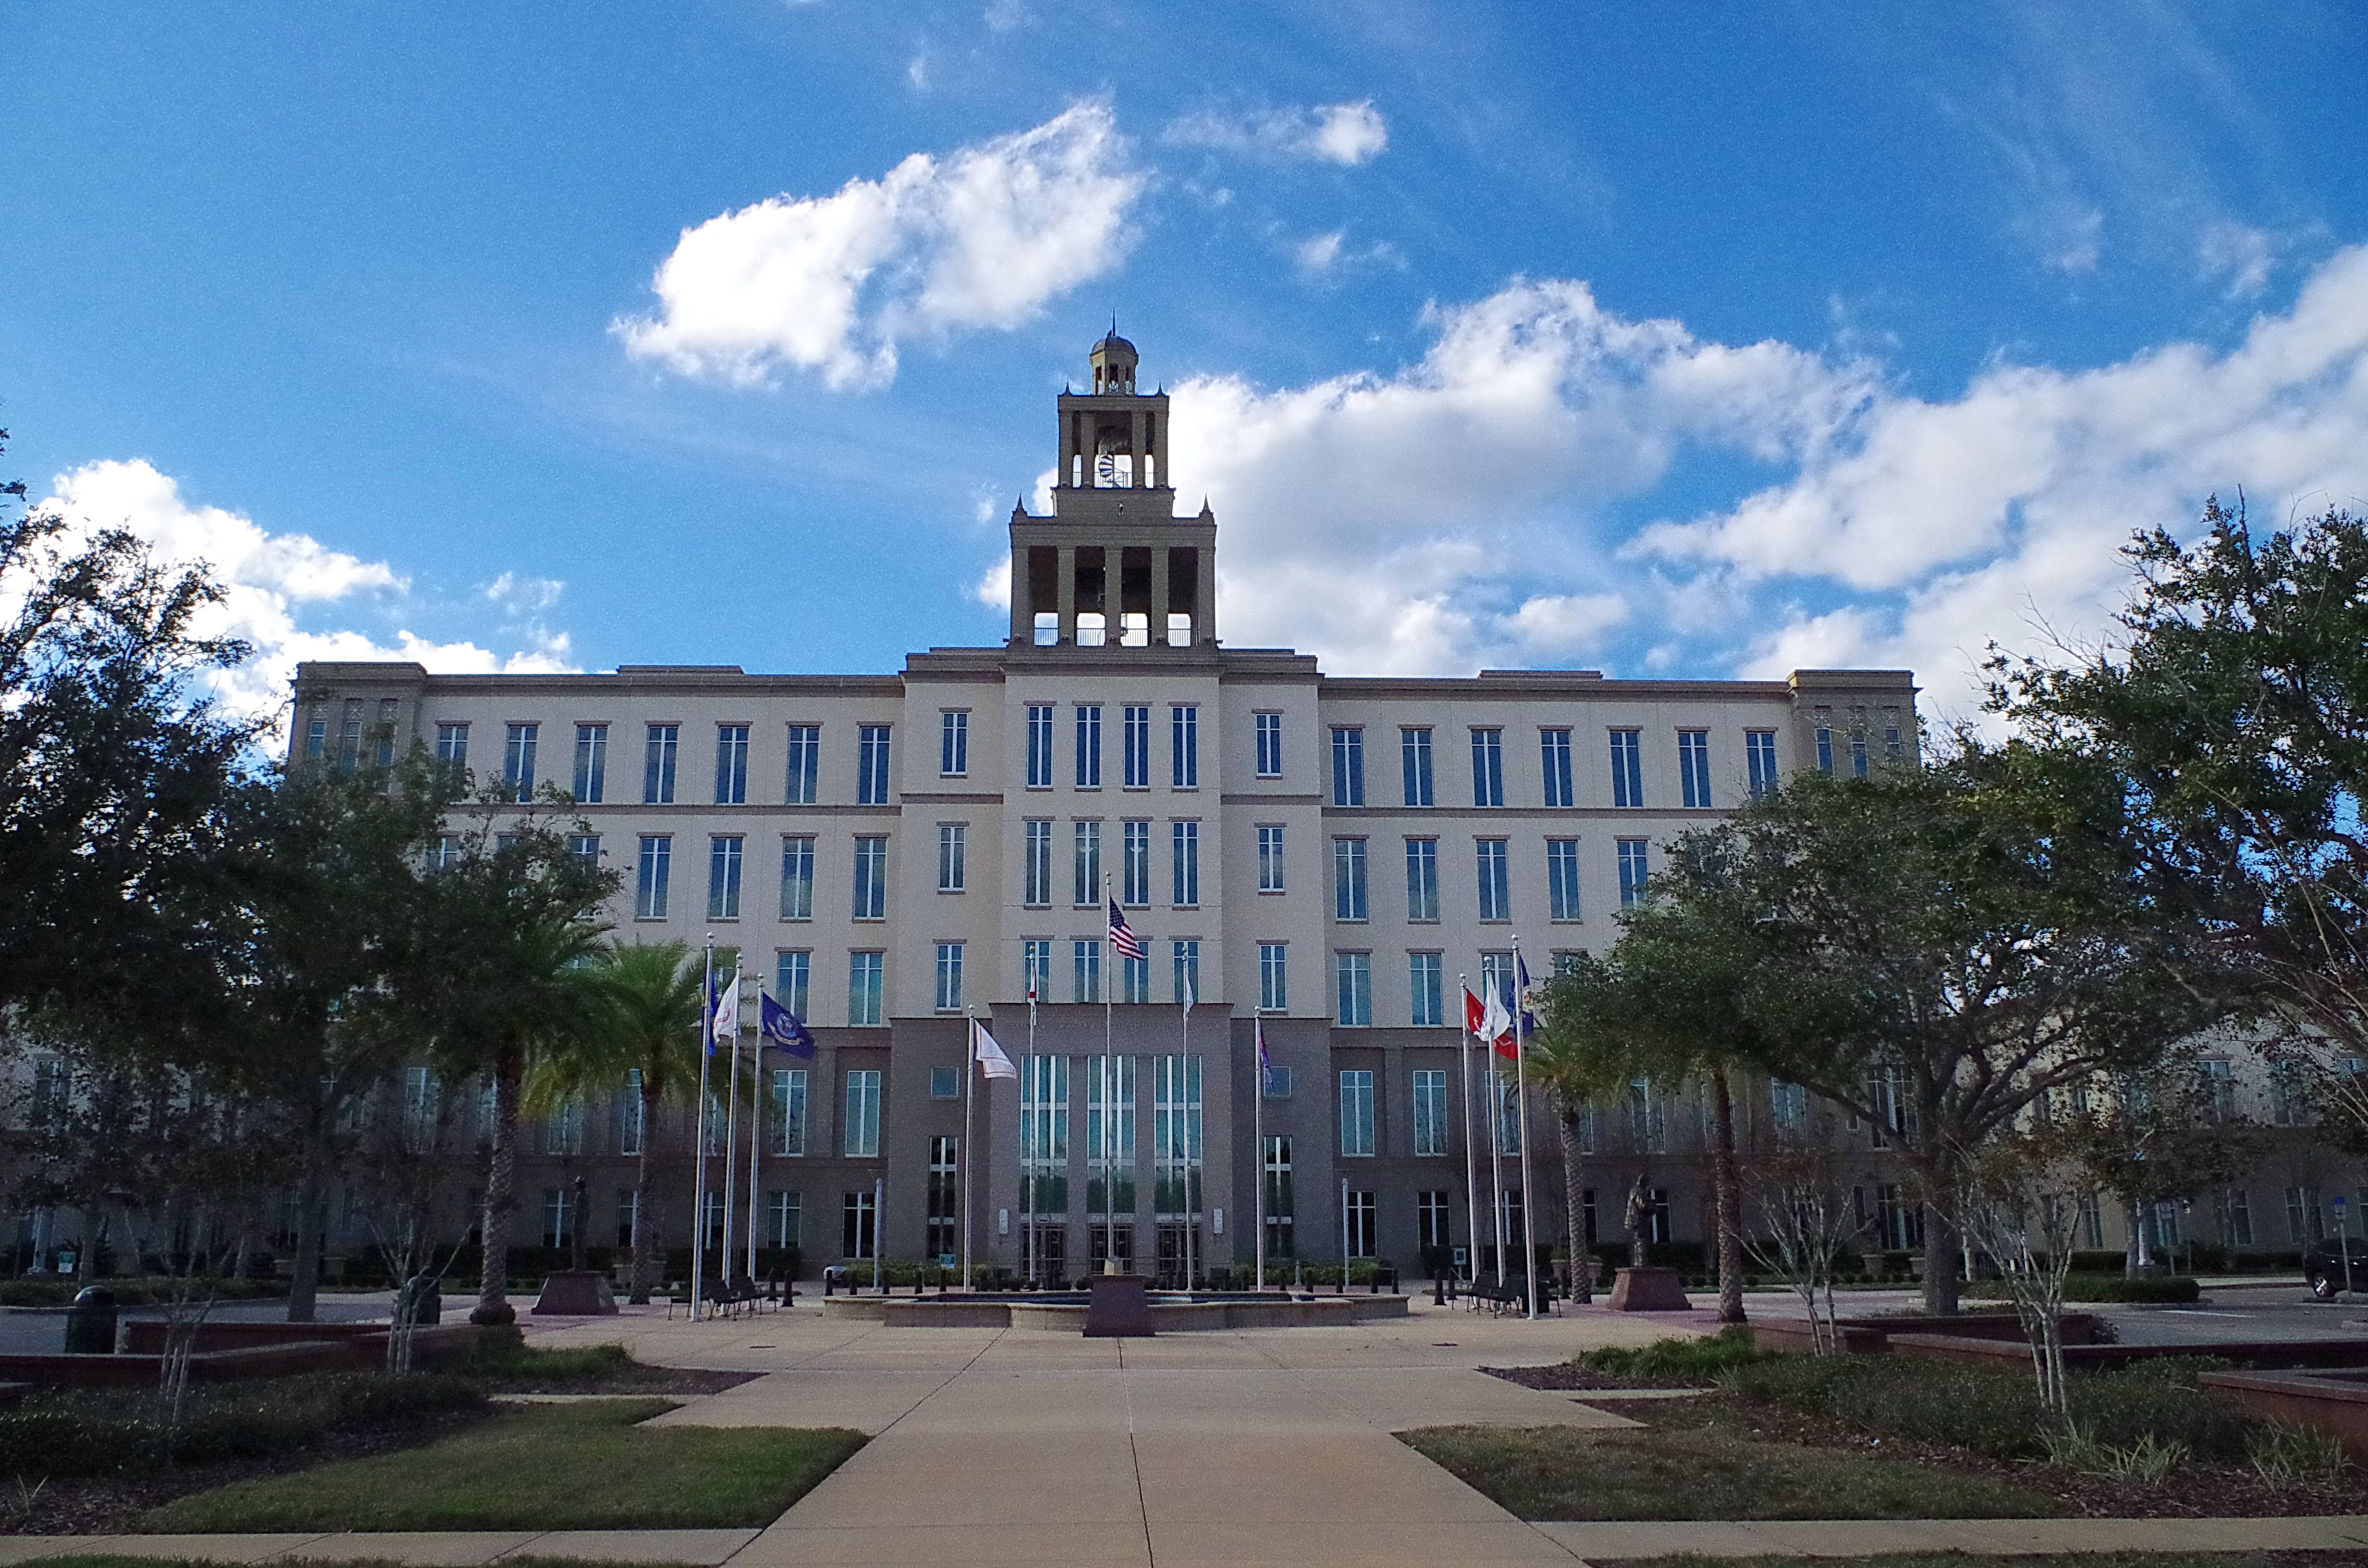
(728, 1013)
(990, 1057)
(1188, 997)
(1495, 1022)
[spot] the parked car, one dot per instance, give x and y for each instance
(2335, 1264)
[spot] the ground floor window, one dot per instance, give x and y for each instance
(714, 1227)
(784, 1219)
(858, 1228)
(2306, 1220)
(1359, 1228)
(629, 1217)
(1052, 1254)
(1112, 1244)
(555, 1206)
(1278, 1195)
(1432, 1223)
(2232, 1214)
(945, 1198)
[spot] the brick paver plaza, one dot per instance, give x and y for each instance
(1000, 1446)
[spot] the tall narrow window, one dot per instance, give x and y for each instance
(650, 877)
(1425, 988)
(518, 762)
(1430, 1105)
(1562, 879)
(1044, 1142)
(1348, 767)
(1356, 1111)
(1858, 753)
(861, 1124)
(1633, 871)
(1085, 969)
(1184, 846)
(949, 977)
(586, 847)
(1759, 761)
(657, 765)
(793, 980)
(953, 742)
(1554, 748)
(1187, 954)
(591, 763)
(1036, 861)
(1891, 743)
(1270, 858)
(452, 744)
(784, 1219)
(1086, 864)
(1134, 977)
(1276, 1158)
(944, 1198)
(1353, 977)
(316, 739)
(1496, 897)
(1422, 878)
(864, 974)
(1176, 1135)
(1274, 977)
(797, 877)
(731, 765)
(1627, 768)
(724, 877)
(1089, 745)
(804, 770)
(870, 878)
(1693, 767)
(1270, 745)
(1135, 864)
(1039, 745)
(872, 766)
(1413, 759)
(1487, 768)
(1825, 750)
(951, 873)
(1349, 878)
(1137, 727)
(390, 707)
(1184, 746)
(1036, 967)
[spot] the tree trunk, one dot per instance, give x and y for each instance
(645, 1223)
(492, 1304)
(311, 1199)
(1574, 1202)
(1728, 1188)
(1940, 1261)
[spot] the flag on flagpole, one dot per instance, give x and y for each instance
(727, 1010)
(1496, 1026)
(1122, 939)
(1188, 996)
(707, 1014)
(1475, 1016)
(778, 1027)
(1258, 1029)
(990, 1057)
(1521, 993)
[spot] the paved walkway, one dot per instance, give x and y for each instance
(997, 1446)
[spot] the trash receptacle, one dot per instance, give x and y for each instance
(90, 1322)
(419, 1301)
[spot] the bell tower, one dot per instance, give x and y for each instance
(1113, 567)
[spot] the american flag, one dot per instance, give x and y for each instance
(1122, 939)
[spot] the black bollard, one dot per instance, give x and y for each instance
(1437, 1291)
(90, 1322)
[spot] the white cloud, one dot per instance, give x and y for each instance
(1386, 521)
(1344, 134)
(1993, 514)
(2238, 252)
(1005, 16)
(265, 576)
(983, 237)
(1318, 253)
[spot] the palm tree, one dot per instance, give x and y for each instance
(645, 1028)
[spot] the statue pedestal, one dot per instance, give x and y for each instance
(575, 1293)
(1119, 1309)
(1647, 1291)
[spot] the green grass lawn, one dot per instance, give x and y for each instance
(1560, 1472)
(583, 1466)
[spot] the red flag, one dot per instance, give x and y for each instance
(1474, 1014)
(1477, 1023)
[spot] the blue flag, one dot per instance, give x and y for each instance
(707, 1014)
(776, 1026)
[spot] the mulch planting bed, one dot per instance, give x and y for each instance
(1565, 1375)
(99, 1504)
(2194, 1490)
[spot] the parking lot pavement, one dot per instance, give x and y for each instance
(2228, 1314)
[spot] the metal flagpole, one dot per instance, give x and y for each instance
(1191, 1210)
(698, 1135)
(970, 1077)
(731, 1125)
(1495, 1147)
(756, 1124)
(1026, 1134)
(1110, 1097)
(879, 1212)
(1257, 1124)
(1521, 1094)
(1344, 1236)
(1470, 1157)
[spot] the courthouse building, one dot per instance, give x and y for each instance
(891, 853)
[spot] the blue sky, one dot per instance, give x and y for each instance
(1664, 340)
